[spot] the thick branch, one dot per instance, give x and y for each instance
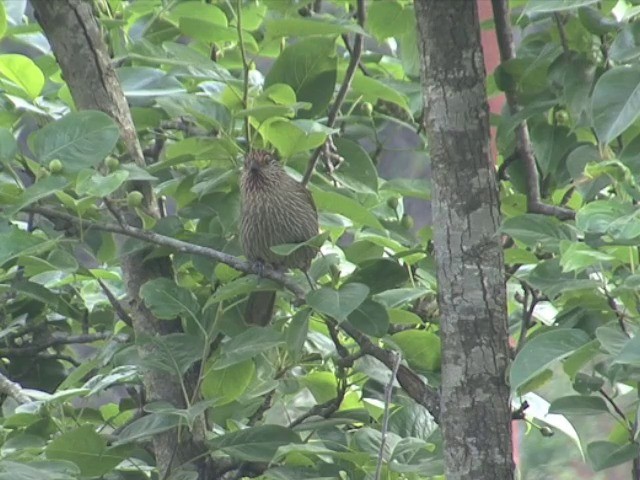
(523, 141)
(11, 388)
(57, 340)
(356, 53)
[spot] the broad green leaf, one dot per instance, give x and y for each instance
(88, 450)
(338, 303)
(370, 318)
(303, 27)
(296, 333)
(147, 427)
(380, 275)
(421, 349)
(241, 286)
(173, 353)
(98, 185)
(626, 45)
(603, 455)
(8, 144)
(579, 256)
(543, 350)
(255, 444)
(373, 90)
(388, 18)
(616, 102)
(337, 203)
(247, 345)
(403, 317)
(203, 11)
(533, 229)
(578, 405)
(80, 140)
(167, 300)
(294, 136)
(309, 66)
(357, 171)
(41, 189)
(22, 72)
(545, 6)
(399, 296)
(17, 242)
(227, 384)
(145, 82)
(39, 469)
(323, 385)
(409, 187)
(630, 353)
(289, 248)
(596, 217)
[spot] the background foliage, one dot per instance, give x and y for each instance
(195, 73)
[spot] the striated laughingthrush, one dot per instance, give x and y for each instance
(276, 209)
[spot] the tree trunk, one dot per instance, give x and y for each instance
(82, 54)
(475, 412)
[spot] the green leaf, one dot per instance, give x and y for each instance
(546, 6)
(288, 248)
(22, 72)
(543, 350)
(256, 444)
(370, 318)
(615, 101)
(227, 384)
(630, 352)
(247, 345)
(596, 217)
(579, 256)
(578, 405)
(388, 19)
(603, 455)
(145, 82)
(173, 353)
(294, 136)
(357, 172)
(421, 349)
(98, 185)
(373, 90)
(88, 450)
(303, 27)
(338, 303)
(337, 203)
(625, 47)
(167, 300)
(16, 242)
(399, 296)
(309, 66)
(8, 145)
(80, 140)
(380, 274)
(296, 333)
(39, 190)
(147, 427)
(409, 187)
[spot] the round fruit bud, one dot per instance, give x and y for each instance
(562, 117)
(112, 163)
(367, 108)
(134, 198)
(55, 166)
(407, 221)
(392, 202)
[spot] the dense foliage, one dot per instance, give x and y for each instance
(199, 77)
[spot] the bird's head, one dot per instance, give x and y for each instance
(262, 167)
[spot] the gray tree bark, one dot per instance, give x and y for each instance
(475, 412)
(82, 54)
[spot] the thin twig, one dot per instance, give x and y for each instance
(388, 391)
(422, 393)
(115, 303)
(561, 32)
(245, 69)
(614, 406)
(344, 88)
(527, 314)
(13, 389)
(504, 36)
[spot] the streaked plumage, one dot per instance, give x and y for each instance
(276, 209)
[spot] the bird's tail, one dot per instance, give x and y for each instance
(259, 308)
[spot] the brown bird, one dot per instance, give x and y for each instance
(276, 209)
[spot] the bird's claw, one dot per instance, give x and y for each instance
(258, 267)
